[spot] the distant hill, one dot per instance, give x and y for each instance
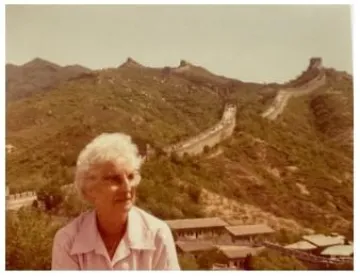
(36, 76)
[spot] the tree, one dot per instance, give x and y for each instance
(188, 262)
(194, 192)
(247, 262)
(51, 195)
(272, 260)
(206, 259)
(206, 149)
(72, 205)
(284, 236)
(174, 157)
(29, 238)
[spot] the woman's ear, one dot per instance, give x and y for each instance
(137, 179)
(89, 194)
(89, 190)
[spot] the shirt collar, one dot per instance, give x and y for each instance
(137, 235)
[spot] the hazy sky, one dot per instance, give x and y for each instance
(250, 43)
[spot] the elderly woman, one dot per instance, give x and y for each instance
(116, 234)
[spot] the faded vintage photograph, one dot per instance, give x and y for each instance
(179, 137)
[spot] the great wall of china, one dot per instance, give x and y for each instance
(284, 95)
(17, 200)
(210, 137)
(195, 145)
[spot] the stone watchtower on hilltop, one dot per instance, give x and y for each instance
(315, 62)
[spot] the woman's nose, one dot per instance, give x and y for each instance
(122, 182)
(127, 184)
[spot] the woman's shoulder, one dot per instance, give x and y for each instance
(69, 231)
(160, 230)
(150, 221)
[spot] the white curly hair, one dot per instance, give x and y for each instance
(113, 147)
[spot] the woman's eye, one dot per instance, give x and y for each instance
(131, 176)
(91, 177)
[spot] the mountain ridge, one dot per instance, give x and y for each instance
(37, 75)
(161, 108)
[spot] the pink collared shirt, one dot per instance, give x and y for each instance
(148, 244)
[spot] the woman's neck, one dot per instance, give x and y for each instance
(112, 231)
(111, 226)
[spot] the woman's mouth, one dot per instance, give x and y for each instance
(123, 198)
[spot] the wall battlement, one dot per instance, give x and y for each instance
(19, 196)
(17, 200)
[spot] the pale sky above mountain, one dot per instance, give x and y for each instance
(250, 43)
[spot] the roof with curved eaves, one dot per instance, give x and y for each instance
(322, 240)
(339, 250)
(301, 245)
(246, 230)
(196, 223)
(192, 246)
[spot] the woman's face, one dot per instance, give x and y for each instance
(112, 187)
